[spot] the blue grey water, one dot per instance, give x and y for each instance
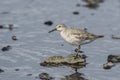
(34, 43)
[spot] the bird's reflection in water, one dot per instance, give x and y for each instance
(74, 76)
(76, 67)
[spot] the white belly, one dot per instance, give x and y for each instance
(71, 39)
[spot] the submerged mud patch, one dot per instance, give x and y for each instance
(70, 61)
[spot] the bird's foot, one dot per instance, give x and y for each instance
(77, 56)
(84, 56)
(81, 51)
(78, 50)
(80, 56)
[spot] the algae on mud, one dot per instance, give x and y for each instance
(70, 60)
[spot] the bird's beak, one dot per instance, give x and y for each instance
(52, 30)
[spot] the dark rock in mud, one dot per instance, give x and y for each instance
(111, 61)
(75, 12)
(84, 56)
(99, 1)
(14, 38)
(9, 26)
(114, 58)
(75, 76)
(29, 74)
(49, 23)
(1, 26)
(93, 3)
(62, 44)
(17, 69)
(70, 60)
(108, 65)
(115, 37)
(1, 70)
(85, 29)
(45, 76)
(7, 48)
(78, 5)
(5, 12)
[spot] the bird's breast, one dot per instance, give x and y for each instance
(70, 38)
(64, 35)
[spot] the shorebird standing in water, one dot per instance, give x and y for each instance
(75, 36)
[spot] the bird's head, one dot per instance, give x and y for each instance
(59, 27)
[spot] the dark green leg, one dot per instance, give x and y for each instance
(77, 50)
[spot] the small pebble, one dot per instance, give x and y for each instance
(17, 69)
(49, 23)
(75, 12)
(9, 26)
(115, 37)
(92, 6)
(113, 58)
(85, 29)
(62, 44)
(1, 26)
(1, 70)
(14, 38)
(36, 77)
(5, 12)
(84, 56)
(108, 65)
(29, 74)
(78, 5)
(7, 48)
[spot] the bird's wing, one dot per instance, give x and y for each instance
(80, 34)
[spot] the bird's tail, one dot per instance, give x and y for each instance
(99, 36)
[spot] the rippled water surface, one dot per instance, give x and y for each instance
(34, 43)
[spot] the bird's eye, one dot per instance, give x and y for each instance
(59, 26)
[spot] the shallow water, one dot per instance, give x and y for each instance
(34, 43)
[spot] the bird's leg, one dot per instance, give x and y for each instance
(77, 50)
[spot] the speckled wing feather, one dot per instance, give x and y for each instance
(82, 34)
